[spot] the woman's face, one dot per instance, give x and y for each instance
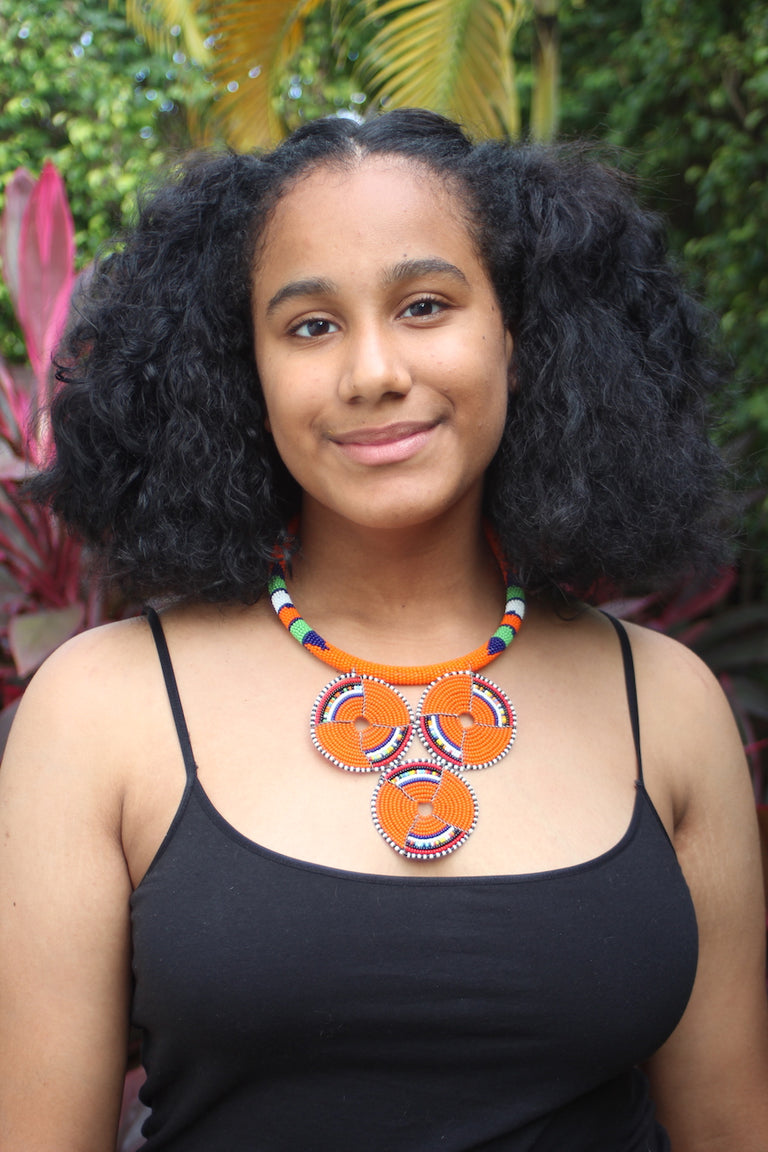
(380, 345)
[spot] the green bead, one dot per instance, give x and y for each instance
(299, 628)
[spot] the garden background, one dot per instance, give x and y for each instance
(675, 91)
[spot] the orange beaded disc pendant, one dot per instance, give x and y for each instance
(360, 723)
(423, 811)
(423, 808)
(467, 720)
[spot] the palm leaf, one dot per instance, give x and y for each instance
(454, 56)
(154, 20)
(546, 66)
(255, 41)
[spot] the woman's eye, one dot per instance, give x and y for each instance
(314, 327)
(425, 307)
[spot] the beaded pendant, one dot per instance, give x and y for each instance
(467, 720)
(360, 723)
(423, 808)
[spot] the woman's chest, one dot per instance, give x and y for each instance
(570, 975)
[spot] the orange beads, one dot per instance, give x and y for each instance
(422, 808)
(360, 723)
(467, 720)
(423, 811)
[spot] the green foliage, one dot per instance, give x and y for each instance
(319, 78)
(682, 87)
(77, 86)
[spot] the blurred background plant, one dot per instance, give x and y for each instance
(45, 593)
(681, 90)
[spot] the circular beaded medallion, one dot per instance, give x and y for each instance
(423, 810)
(466, 720)
(360, 723)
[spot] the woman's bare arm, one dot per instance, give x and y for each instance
(64, 915)
(710, 1080)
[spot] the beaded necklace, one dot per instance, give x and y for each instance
(423, 808)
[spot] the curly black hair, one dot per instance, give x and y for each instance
(605, 471)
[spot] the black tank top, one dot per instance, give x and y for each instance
(292, 1007)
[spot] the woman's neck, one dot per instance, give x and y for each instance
(425, 593)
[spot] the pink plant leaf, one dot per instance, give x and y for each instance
(693, 601)
(24, 523)
(35, 635)
(46, 270)
(17, 194)
(6, 719)
(627, 607)
(12, 467)
(14, 405)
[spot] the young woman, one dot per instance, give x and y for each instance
(383, 839)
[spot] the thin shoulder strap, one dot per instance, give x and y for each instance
(629, 677)
(172, 689)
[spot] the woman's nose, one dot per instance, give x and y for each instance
(374, 366)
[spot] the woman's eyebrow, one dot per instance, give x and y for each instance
(313, 286)
(403, 270)
(427, 265)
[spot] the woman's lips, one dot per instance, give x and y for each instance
(390, 445)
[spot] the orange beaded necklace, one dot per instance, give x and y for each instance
(423, 808)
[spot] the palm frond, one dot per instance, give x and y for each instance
(454, 56)
(153, 20)
(254, 42)
(546, 67)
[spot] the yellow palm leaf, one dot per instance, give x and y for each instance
(454, 56)
(255, 39)
(154, 21)
(546, 63)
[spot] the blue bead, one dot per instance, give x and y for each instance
(315, 639)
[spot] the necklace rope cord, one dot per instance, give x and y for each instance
(423, 808)
(509, 626)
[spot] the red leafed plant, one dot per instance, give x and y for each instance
(44, 597)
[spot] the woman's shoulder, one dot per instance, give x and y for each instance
(689, 733)
(673, 676)
(663, 664)
(117, 657)
(83, 712)
(92, 665)
(110, 677)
